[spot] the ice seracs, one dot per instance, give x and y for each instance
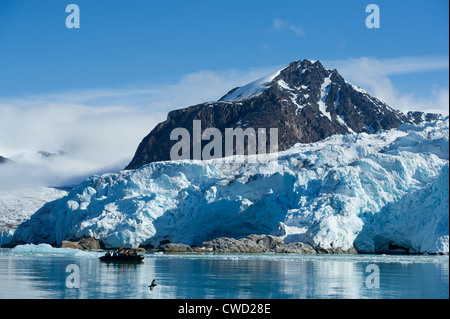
(372, 191)
(17, 205)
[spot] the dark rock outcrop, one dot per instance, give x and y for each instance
(251, 244)
(231, 245)
(4, 160)
(264, 244)
(90, 243)
(176, 248)
(87, 243)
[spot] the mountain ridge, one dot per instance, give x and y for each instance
(304, 101)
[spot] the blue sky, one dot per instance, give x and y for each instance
(131, 62)
(152, 42)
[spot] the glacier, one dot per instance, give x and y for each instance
(18, 204)
(370, 191)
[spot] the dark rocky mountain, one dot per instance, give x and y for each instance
(45, 154)
(4, 160)
(304, 100)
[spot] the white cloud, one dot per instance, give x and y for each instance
(91, 138)
(98, 129)
(374, 75)
(405, 65)
(283, 25)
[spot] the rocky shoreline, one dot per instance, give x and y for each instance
(252, 244)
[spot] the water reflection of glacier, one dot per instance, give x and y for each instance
(254, 276)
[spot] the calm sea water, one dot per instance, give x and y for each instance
(59, 274)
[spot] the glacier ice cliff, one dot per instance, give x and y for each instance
(371, 191)
(17, 205)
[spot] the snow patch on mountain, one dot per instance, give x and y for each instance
(324, 89)
(367, 190)
(293, 96)
(252, 89)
